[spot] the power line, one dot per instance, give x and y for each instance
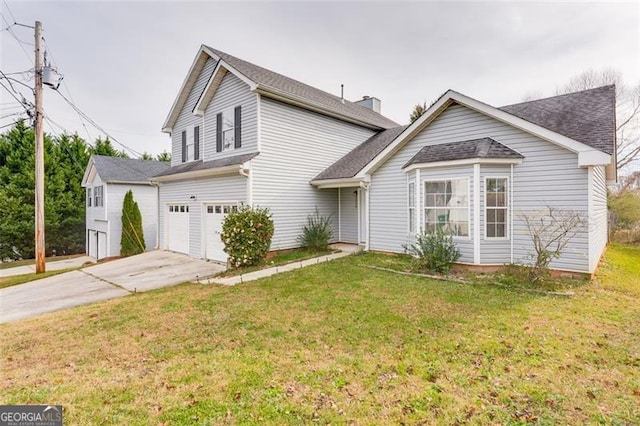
(13, 34)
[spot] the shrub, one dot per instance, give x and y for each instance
(132, 239)
(246, 235)
(316, 234)
(434, 252)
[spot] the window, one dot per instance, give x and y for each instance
(446, 206)
(412, 207)
(496, 207)
(228, 133)
(184, 146)
(98, 197)
(196, 143)
(88, 197)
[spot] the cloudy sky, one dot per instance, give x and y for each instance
(123, 62)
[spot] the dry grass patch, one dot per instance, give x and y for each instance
(336, 343)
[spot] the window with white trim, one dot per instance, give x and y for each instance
(446, 206)
(228, 129)
(98, 197)
(496, 207)
(88, 197)
(412, 207)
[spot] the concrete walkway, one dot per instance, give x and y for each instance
(256, 275)
(52, 265)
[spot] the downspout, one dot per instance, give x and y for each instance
(511, 212)
(155, 184)
(247, 173)
(339, 214)
(476, 213)
(365, 186)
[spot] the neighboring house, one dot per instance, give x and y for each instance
(107, 180)
(242, 134)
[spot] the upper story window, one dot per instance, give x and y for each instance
(88, 197)
(446, 206)
(98, 196)
(496, 207)
(228, 129)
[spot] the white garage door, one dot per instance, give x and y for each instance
(97, 244)
(214, 216)
(178, 228)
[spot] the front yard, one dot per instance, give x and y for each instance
(339, 343)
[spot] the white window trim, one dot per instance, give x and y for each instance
(95, 196)
(507, 226)
(424, 206)
(415, 206)
(89, 197)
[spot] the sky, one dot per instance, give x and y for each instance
(124, 62)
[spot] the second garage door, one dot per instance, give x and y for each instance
(178, 228)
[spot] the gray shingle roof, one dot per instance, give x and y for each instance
(474, 148)
(116, 169)
(349, 165)
(587, 116)
(270, 80)
(206, 165)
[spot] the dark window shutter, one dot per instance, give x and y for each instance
(196, 143)
(184, 146)
(237, 120)
(219, 132)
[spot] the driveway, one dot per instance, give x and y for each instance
(52, 265)
(108, 280)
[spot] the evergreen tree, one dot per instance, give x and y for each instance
(164, 156)
(132, 240)
(104, 147)
(146, 156)
(417, 112)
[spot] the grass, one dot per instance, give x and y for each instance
(279, 259)
(339, 343)
(13, 264)
(25, 278)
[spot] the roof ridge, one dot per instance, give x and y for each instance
(607, 86)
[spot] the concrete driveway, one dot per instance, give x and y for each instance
(108, 280)
(52, 265)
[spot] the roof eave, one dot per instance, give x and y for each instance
(210, 88)
(337, 183)
(218, 171)
(462, 162)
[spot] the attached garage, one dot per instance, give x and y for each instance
(214, 215)
(177, 228)
(97, 242)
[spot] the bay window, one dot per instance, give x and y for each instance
(446, 206)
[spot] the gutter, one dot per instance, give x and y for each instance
(225, 170)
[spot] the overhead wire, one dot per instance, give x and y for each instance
(13, 34)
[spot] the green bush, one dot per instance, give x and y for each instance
(316, 234)
(434, 252)
(132, 239)
(246, 235)
(626, 207)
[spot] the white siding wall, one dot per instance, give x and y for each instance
(549, 175)
(147, 198)
(348, 215)
(186, 120)
(296, 145)
(231, 93)
(598, 216)
(95, 216)
(223, 188)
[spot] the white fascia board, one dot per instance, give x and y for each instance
(337, 183)
(302, 103)
(196, 67)
(211, 87)
(467, 161)
(124, 182)
(227, 170)
(590, 154)
(89, 173)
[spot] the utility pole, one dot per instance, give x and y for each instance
(40, 263)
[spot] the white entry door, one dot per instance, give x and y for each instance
(92, 242)
(178, 228)
(214, 215)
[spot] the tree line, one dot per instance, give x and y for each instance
(66, 158)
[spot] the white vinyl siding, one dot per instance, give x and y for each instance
(348, 215)
(186, 121)
(598, 216)
(495, 251)
(548, 175)
(296, 145)
(231, 93)
(205, 190)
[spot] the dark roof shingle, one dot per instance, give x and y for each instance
(117, 169)
(349, 165)
(310, 95)
(474, 148)
(206, 165)
(587, 116)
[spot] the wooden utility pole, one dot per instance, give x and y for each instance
(40, 263)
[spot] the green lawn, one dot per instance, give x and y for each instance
(339, 343)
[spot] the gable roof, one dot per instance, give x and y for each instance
(277, 86)
(474, 148)
(587, 116)
(349, 165)
(124, 170)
